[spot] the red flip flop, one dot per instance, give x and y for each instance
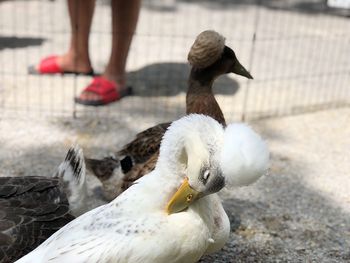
(107, 90)
(49, 65)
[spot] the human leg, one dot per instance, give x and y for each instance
(76, 59)
(124, 20)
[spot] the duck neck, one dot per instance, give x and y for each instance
(169, 162)
(179, 143)
(166, 178)
(200, 98)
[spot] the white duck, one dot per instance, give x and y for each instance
(173, 214)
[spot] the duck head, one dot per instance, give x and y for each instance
(229, 63)
(211, 157)
(210, 54)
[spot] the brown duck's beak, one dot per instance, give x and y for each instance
(240, 70)
(182, 199)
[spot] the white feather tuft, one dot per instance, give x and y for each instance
(244, 157)
(72, 171)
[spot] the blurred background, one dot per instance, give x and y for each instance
(297, 50)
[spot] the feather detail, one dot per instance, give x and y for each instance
(32, 209)
(145, 144)
(102, 169)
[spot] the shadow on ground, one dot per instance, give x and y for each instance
(92, 136)
(170, 79)
(153, 81)
(19, 42)
(290, 223)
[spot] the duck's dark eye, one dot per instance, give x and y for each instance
(205, 176)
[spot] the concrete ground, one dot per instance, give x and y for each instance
(300, 212)
(300, 61)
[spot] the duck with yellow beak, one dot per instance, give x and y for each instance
(173, 214)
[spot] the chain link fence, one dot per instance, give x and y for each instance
(297, 50)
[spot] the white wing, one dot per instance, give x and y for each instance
(103, 237)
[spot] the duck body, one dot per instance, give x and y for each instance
(124, 232)
(32, 208)
(134, 160)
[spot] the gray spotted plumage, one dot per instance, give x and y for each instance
(32, 208)
(75, 162)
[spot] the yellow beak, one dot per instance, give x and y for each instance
(182, 199)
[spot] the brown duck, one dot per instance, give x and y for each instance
(209, 58)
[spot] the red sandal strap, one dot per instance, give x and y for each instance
(49, 65)
(104, 88)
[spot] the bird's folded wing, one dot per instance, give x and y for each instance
(31, 210)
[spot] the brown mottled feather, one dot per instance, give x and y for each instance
(142, 148)
(103, 168)
(140, 170)
(31, 209)
(145, 144)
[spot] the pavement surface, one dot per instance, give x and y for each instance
(300, 212)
